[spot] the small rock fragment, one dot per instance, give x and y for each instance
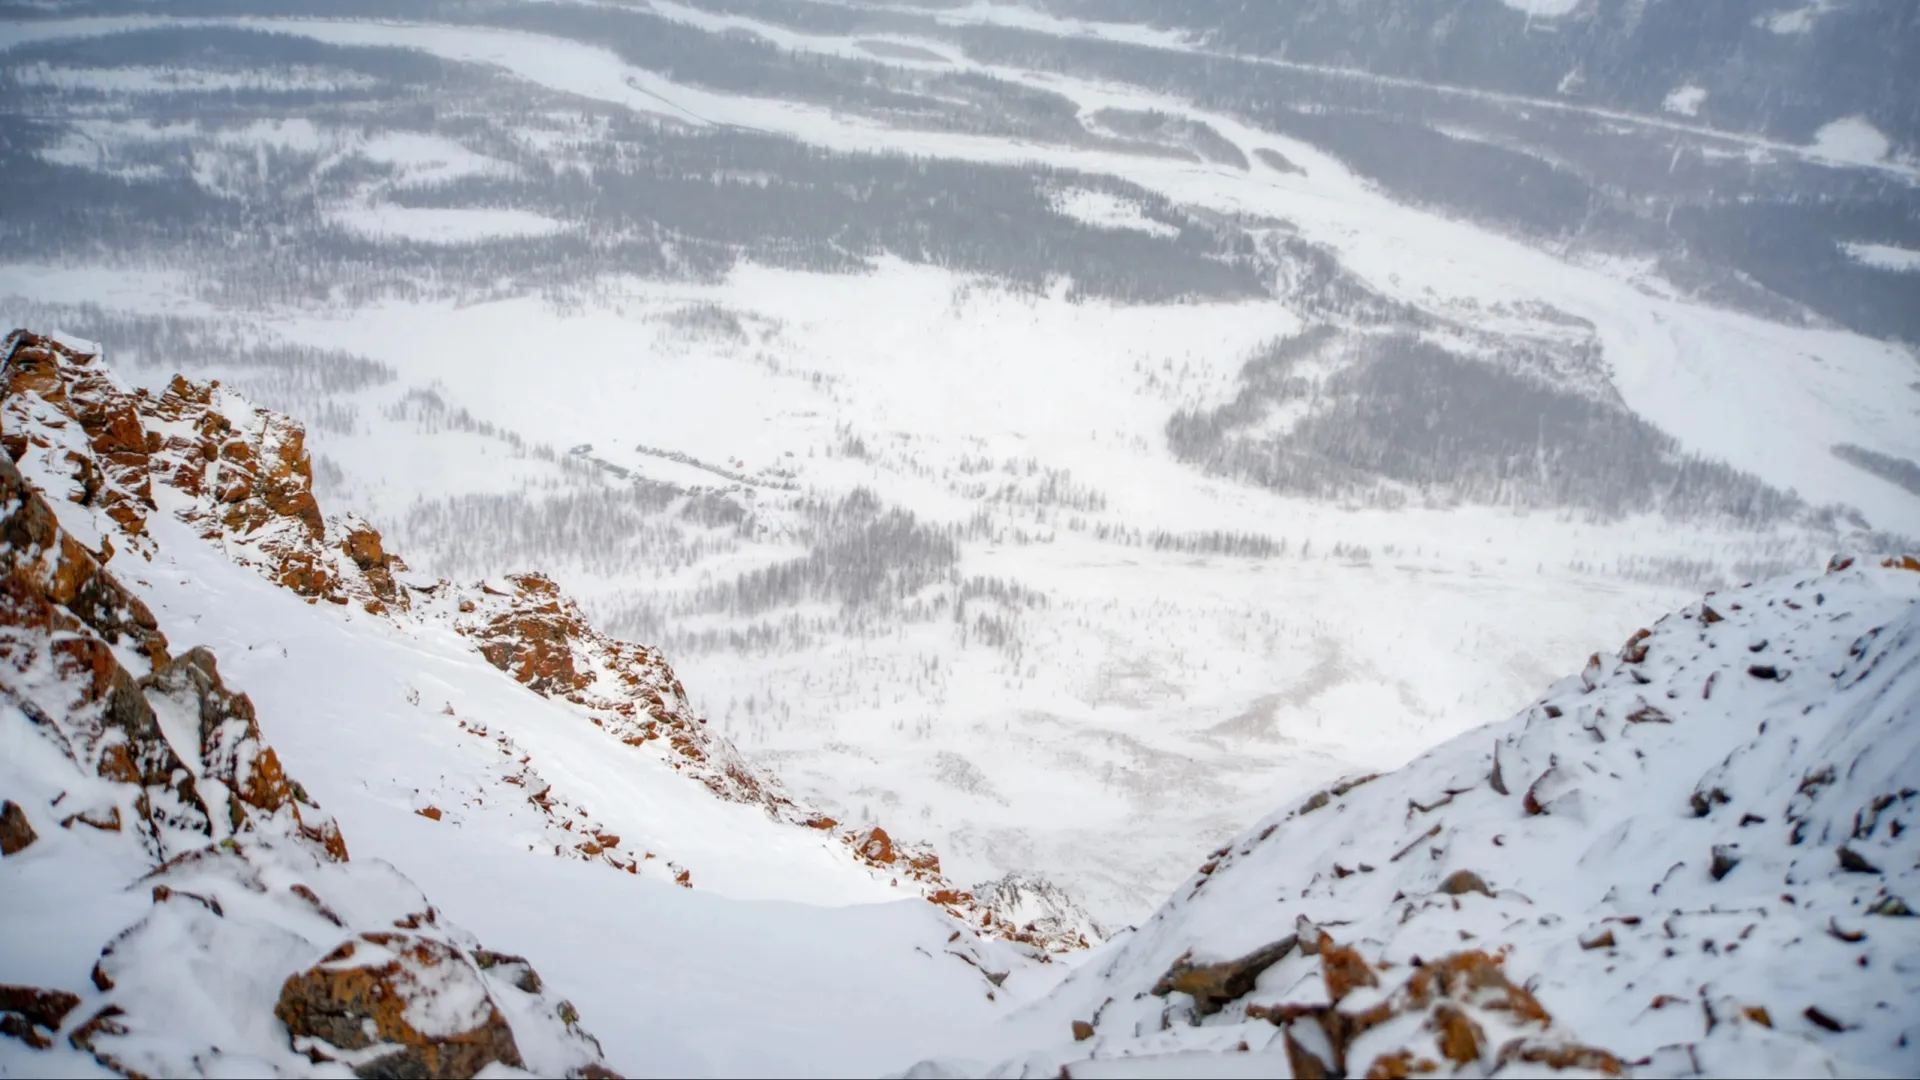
(1891, 905)
(16, 832)
(1464, 881)
(1635, 650)
(1820, 1019)
(1852, 862)
(1724, 860)
(1851, 937)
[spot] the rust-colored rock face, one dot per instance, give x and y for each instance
(61, 612)
(232, 750)
(245, 471)
(99, 443)
(528, 627)
(369, 993)
(876, 847)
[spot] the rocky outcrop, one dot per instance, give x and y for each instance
(156, 772)
(1451, 1014)
(1212, 986)
(1039, 908)
(32, 1015)
(394, 1004)
(239, 474)
(526, 626)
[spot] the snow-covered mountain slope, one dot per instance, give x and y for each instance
(137, 466)
(1697, 857)
(149, 831)
(551, 785)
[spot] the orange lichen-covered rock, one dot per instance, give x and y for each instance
(233, 752)
(1441, 1012)
(62, 406)
(1213, 985)
(876, 847)
(415, 995)
(16, 832)
(245, 471)
(62, 614)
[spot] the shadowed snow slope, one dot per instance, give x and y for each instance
(1698, 856)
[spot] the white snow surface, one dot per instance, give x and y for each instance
(1884, 256)
(1735, 810)
(445, 225)
(1851, 140)
(1105, 210)
(1685, 100)
(1543, 8)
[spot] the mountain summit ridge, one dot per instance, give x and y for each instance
(1696, 857)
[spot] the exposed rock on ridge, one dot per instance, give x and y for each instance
(136, 765)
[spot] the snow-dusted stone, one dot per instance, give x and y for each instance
(392, 1004)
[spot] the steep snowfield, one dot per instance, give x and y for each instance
(1699, 854)
(669, 881)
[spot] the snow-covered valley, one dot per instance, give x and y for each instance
(1018, 432)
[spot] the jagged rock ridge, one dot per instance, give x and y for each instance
(130, 764)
